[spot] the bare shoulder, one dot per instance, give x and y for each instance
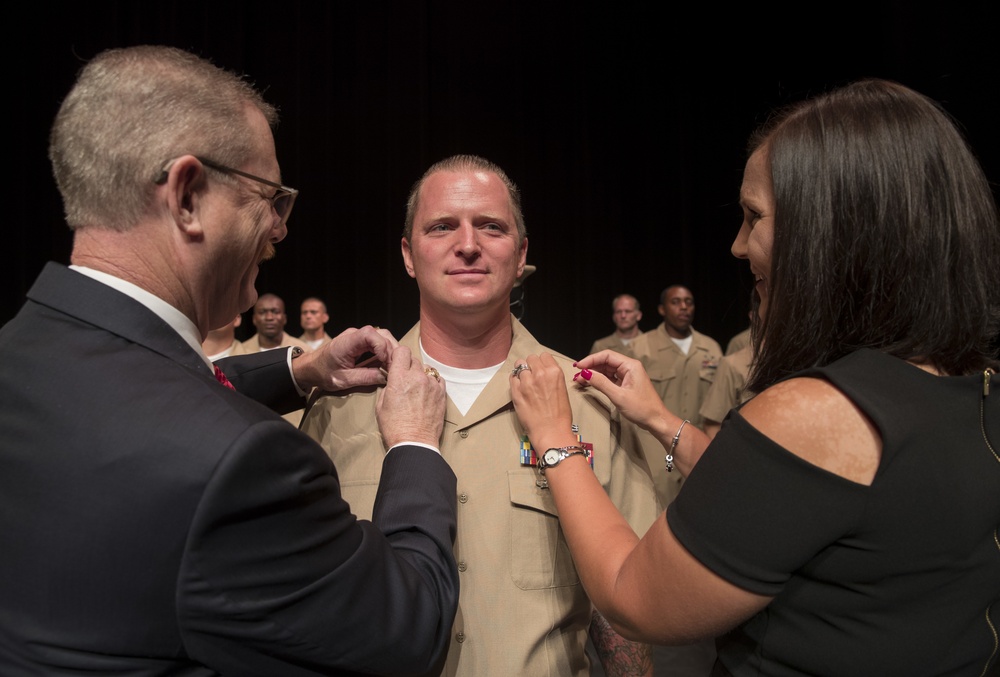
(817, 422)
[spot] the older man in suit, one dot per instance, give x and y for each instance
(155, 521)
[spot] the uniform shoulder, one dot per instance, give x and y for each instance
(290, 340)
(708, 342)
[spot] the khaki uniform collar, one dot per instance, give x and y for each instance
(495, 398)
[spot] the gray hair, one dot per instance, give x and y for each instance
(129, 113)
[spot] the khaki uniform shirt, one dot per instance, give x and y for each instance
(727, 389)
(738, 342)
(322, 342)
(252, 345)
(235, 348)
(612, 342)
(522, 609)
(682, 381)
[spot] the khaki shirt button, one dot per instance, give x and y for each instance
(463, 433)
(463, 498)
(462, 566)
(460, 637)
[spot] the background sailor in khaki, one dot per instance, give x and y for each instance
(681, 363)
(269, 317)
(313, 318)
(625, 313)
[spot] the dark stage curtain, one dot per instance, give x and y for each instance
(625, 131)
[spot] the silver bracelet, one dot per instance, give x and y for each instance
(673, 445)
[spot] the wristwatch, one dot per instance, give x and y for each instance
(555, 456)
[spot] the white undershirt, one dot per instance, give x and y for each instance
(684, 344)
(463, 385)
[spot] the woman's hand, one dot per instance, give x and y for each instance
(626, 384)
(541, 401)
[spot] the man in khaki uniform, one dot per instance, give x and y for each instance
(625, 314)
(522, 609)
(681, 363)
(313, 318)
(270, 319)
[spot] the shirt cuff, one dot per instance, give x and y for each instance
(288, 361)
(415, 444)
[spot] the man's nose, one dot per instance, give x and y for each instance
(739, 248)
(468, 239)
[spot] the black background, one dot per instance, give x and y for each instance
(624, 125)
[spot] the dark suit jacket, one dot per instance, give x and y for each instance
(154, 522)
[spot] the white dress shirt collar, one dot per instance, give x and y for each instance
(178, 321)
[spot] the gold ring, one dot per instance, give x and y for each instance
(516, 371)
(431, 371)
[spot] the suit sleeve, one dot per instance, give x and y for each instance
(279, 578)
(265, 378)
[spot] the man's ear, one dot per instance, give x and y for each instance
(185, 192)
(524, 256)
(404, 245)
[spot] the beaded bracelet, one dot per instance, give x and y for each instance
(673, 445)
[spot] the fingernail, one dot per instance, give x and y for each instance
(586, 374)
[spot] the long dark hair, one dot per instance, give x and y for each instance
(885, 236)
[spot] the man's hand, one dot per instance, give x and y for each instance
(334, 366)
(411, 406)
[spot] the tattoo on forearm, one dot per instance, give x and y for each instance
(619, 656)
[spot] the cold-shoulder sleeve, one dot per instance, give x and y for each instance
(753, 512)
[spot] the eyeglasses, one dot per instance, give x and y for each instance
(282, 200)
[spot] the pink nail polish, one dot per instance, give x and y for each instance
(586, 374)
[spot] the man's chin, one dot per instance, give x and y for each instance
(248, 295)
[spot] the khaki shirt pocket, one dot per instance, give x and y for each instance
(708, 370)
(539, 557)
(661, 378)
(660, 372)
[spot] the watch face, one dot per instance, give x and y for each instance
(552, 457)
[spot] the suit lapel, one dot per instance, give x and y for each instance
(97, 304)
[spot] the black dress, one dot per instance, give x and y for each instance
(898, 578)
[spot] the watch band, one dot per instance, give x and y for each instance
(564, 453)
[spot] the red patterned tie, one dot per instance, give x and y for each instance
(221, 378)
